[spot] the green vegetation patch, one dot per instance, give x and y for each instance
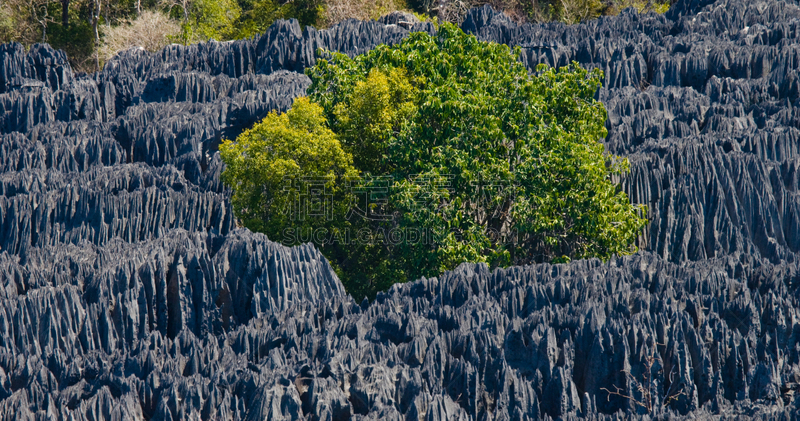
(414, 158)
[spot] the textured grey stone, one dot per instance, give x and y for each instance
(128, 291)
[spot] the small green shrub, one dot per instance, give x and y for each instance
(258, 16)
(202, 20)
(308, 12)
(642, 6)
(77, 40)
(8, 22)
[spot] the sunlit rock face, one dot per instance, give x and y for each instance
(128, 292)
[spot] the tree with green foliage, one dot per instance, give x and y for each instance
(291, 180)
(223, 20)
(258, 15)
(522, 174)
(273, 165)
(202, 20)
(307, 12)
(483, 161)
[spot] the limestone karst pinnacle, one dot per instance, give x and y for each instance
(128, 292)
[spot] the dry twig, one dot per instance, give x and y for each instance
(645, 386)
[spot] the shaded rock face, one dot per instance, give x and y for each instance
(128, 291)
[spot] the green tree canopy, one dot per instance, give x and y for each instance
(274, 164)
(202, 20)
(473, 158)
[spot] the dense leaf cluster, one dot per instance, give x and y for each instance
(290, 152)
(462, 155)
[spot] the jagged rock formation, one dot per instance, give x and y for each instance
(129, 293)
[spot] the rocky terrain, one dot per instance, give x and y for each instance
(128, 292)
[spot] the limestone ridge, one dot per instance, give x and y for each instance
(129, 293)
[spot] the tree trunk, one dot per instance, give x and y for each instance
(95, 22)
(42, 21)
(64, 13)
(185, 4)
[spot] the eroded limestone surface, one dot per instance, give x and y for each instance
(128, 291)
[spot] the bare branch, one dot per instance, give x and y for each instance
(645, 385)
